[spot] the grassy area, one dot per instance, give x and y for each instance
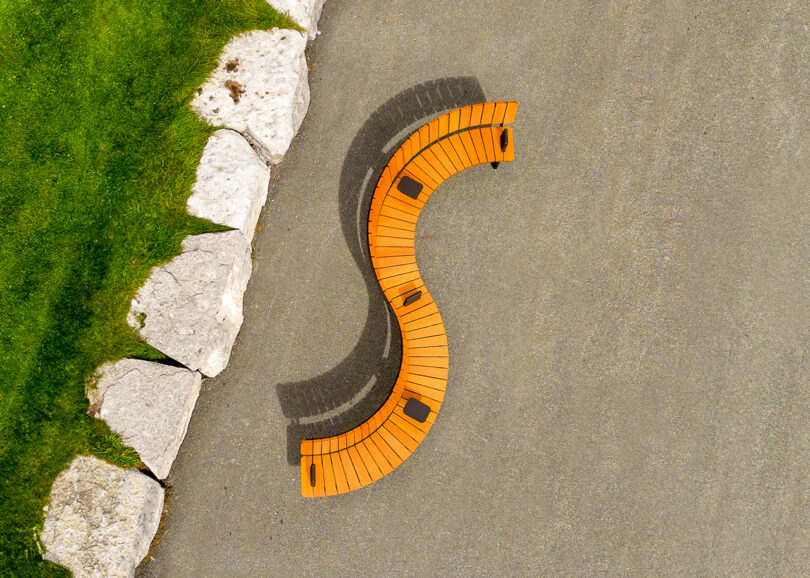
(98, 150)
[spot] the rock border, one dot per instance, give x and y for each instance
(101, 519)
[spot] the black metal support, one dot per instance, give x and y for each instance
(312, 475)
(495, 164)
(412, 298)
(504, 140)
(416, 410)
(410, 187)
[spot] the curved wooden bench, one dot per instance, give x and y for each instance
(462, 138)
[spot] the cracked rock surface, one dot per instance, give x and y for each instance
(231, 185)
(304, 12)
(149, 404)
(259, 87)
(190, 308)
(101, 518)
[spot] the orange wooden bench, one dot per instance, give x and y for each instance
(465, 137)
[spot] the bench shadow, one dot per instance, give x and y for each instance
(348, 394)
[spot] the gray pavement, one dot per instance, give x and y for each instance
(627, 307)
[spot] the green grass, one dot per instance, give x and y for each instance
(98, 150)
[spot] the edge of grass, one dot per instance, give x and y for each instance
(92, 196)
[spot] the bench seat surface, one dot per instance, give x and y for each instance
(460, 139)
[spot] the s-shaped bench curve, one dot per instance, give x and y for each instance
(462, 138)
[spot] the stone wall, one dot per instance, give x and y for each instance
(101, 518)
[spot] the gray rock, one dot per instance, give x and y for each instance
(259, 87)
(231, 185)
(101, 518)
(305, 12)
(191, 307)
(149, 404)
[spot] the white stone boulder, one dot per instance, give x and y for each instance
(101, 518)
(191, 307)
(260, 88)
(305, 12)
(231, 185)
(149, 405)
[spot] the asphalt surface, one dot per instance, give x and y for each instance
(627, 305)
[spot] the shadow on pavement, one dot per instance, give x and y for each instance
(348, 394)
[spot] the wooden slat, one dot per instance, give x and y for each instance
(402, 206)
(390, 455)
(511, 112)
(478, 144)
(340, 474)
(382, 263)
(416, 173)
(371, 467)
(433, 131)
(464, 117)
(500, 112)
(444, 125)
(417, 203)
(384, 221)
(443, 168)
(382, 241)
(458, 146)
(454, 118)
(421, 164)
(432, 361)
(393, 232)
(317, 447)
(475, 115)
(409, 443)
(426, 307)
(413, 143)
(348, 469)
(389, 211)
(416, 350)
(397, 446)
(379, 458)
(489, 110)
(451, 154)
(427, 320)
(396, 270)
(382, 252)
(397, 161)
(330, 487)
(415, 335)
(359, 467)
(431, 382)
(469, 147)
(401, 279)
(425, 371)
(389, 221)
(489, 145)
(434, 394)
(442, 153)
(408, 425)
(424, 137)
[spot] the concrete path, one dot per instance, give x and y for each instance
(627, 305)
